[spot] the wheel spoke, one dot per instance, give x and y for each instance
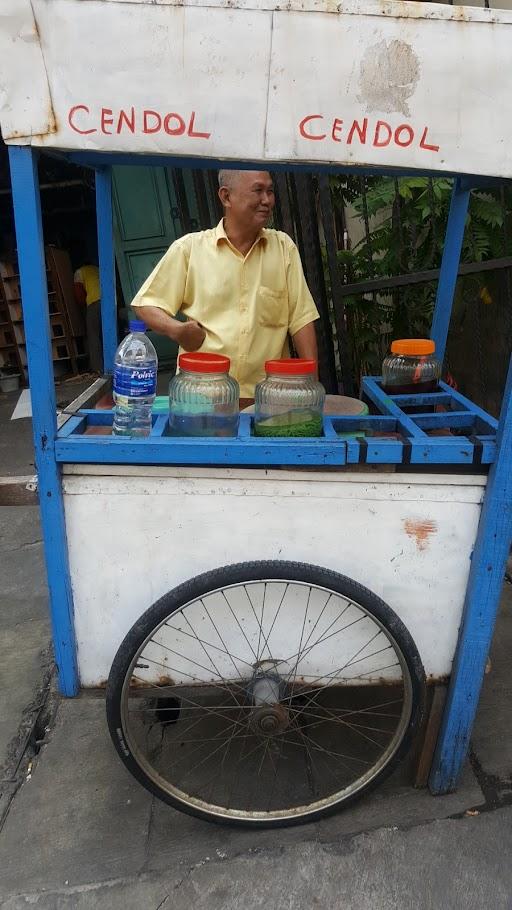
(274, 779)
(206, 758)
(261, 623)
(235, 617)
(267, 637)
(321, 639)
(196, 706)
(312, 757)
(340, 722)
(384, 704)
(190, 676)
(327, 637)
(357, 653)
(220, 636)
(294, 670)
(210, 644)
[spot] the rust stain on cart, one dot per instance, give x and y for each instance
(420, 531)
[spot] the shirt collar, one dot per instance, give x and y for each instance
(220, 234)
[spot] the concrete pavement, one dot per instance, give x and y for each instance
(444, 864)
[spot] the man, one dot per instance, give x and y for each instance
(240, 286)
(87, 291)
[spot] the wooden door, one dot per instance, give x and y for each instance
(146, 221)
(152, 207)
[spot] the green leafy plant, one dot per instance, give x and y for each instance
(403, 224)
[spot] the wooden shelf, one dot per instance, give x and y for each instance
(66, 318)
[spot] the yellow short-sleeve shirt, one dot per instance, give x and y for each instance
(89, 276)
(247, 305)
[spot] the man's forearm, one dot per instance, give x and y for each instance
(159, 321)
(304, 342)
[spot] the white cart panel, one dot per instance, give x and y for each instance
(135, 533)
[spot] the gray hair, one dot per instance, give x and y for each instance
(228, 178)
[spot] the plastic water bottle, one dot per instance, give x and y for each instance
(135, 370)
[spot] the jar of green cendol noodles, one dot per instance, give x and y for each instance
(290, 400)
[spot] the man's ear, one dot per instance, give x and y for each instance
(224, 196)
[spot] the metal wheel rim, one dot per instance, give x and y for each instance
(282, 815)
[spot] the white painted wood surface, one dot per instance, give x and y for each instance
(135, 533)
(377, 82)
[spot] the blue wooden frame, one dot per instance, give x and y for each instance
(107, 266)
(32, 267)
(486, 574)
(474, 444)
(450, 265)
(494, 444)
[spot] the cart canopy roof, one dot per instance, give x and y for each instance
(407, 85)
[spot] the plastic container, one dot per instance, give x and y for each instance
(203, 397)
(134, 386)
(289, 401)
(412, 367)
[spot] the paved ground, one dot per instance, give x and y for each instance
(25, 635)
(76, 831)
(445, 865)
(16, 450)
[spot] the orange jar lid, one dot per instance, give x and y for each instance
(413, 347)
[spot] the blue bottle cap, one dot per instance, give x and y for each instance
(137, 325)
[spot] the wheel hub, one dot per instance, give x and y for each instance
(267, 720)
(269, 716)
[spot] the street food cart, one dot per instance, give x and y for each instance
(272, 615)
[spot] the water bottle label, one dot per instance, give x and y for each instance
(135, 382)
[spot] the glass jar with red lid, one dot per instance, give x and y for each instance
(203, 397)
(290, 400)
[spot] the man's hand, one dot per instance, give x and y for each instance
(191, 335)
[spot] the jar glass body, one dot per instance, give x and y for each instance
(288, 405)
(410, 374)
(203, 404)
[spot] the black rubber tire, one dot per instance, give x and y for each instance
(246, 572)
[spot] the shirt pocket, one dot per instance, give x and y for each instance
(272, 307)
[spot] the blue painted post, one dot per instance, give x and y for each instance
(32, 267)
(488, 563)
(449, 266)
(107, 267)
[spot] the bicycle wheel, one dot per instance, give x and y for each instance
(265, 693)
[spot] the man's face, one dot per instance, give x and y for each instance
(250, 200)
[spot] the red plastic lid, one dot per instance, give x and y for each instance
(204, 363)
(293, 366)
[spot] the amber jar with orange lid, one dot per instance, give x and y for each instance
(411, 368)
